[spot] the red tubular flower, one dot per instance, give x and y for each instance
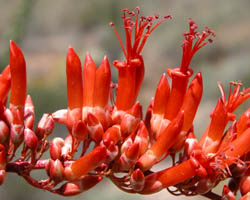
(190, 105)
(165, 178)
(18, 83)
(192, 101)
(162, 144)
(131, 71)
(89, 71)
(102, 84)
(180, 76)
(74, 79)
(85, 164)
(5, 81)
(243, 122)
(96, 90)
(161, 96)
(74, 87)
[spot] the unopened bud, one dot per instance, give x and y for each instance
(16, 133)
(245, 185)
(2, 176)
(112, 152)
(4, 132)
(45, 126)
(56, 148)
(77, 187)
(2, 157)
(8, 116)
(128, 124)
(95, 128)
(80, 130)
(29, 113)
(67, 148)
(227, 194)
(30, 139)
(56, 171)
(137, 180)
(60, 116)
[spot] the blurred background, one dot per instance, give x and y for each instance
(44, 29)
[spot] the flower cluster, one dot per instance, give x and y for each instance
(105, 124)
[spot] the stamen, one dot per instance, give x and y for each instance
(187, 45)
(119, 38)
(135, 45)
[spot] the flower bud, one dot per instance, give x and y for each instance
(8, 116)
(137, 180)
(67, 148)
(129, 157)
(245, 185)
(16, 133)
(95, 128)
(80, 130)
(2, 157)
(56, 171)
(128, 124)
(60, 116)
(29, 113)
(227, 194)
(30, 139)
(45, 126)
(56, 148)
(4, 132)
(112, 152)
(2, 176)
(77, 187)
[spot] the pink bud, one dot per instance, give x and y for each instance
(80, 130)
(16, 133)
(112, 135)
(4, 132)
(129, 123)
(67, 148)
(142, 138)
(60, 116)
(137, 180)
(56, 148)
(245, 185)
(30, 139)
(45, 126)
(227, 194)
(112, 152)
(8, 116)
(2, 157)
(29, 113)
(56, 171)
(95, 128)
(2, 176)
(77, 187)
(129, 157)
